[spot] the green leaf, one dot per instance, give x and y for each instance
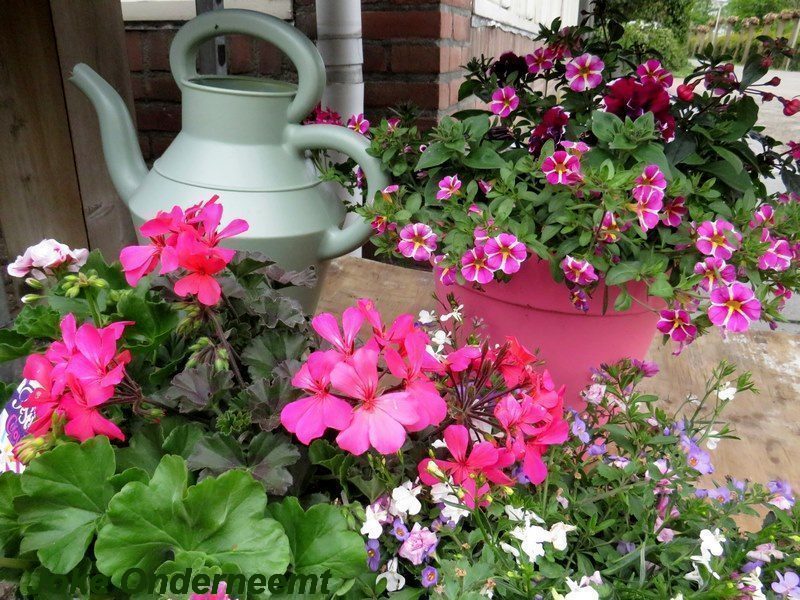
(268, 457)
(733, 160)
(623, 301)
(660, 287)
(264, 353)
(320, 539)
(10, 488)
(723, 170)
(483, 157)
(112, 273)
(220, 521)
(13, 345)
(605, 125)
(435, 155)
(37, 321)
(622, 272)
(653, 154)
(153, 322)
(753, 70)
(66, 493)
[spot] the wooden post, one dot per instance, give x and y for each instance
(793, 42)
(748, 42)
(213, 59)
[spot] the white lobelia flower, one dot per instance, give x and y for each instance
(695, 575)
(426, 317)
(394, 581)
(455, 315)
(594, 578)
(440, 339)
(532, 538)
(726, 391)
(705, 560)
(711, 542)
(509, 549)
(373, 524)
(753, 581)
(519, 514)
(439, 444)
(678, 597)
(713, 441)
(454, 509)
(580, 592)
(404, 500)
(558, 533)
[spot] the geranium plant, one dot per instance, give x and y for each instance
(595, 159)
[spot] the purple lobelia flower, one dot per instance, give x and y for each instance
(399, 530)
(430, 576)
(373, 549)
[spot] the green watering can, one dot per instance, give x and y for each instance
(242, 138)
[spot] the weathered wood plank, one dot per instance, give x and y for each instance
(39, 194)
(768, 424)
(92, 32)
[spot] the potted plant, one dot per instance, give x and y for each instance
(587, 203)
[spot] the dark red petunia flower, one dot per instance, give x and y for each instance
(552, 126)
(629, 97)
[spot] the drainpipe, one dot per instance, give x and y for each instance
(339, 43)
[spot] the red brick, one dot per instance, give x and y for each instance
(459, 3)
(415, 59)
(133, 43)
(446, 26)
(454, 85)
(444, 95)
(138, 85)
(162, 86)
(144, 145)
(240, 54)
(158, 117)
(307, 23)
(156, 56)
(159, 142)
(269, 59)
(375, 58)
(460, 27)
(379, 94)
(386, 25)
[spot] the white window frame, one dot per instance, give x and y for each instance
(183, 10)
(527, 15)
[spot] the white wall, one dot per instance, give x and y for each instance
(527, 15)
(183, 10)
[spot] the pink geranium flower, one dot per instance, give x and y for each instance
(561, 168)
(474, 266)
(417, 241)
(449, 186)
(309, 416)
(42, 399)
(379, 419)
(734, 307)
(358, 123)
(504, 101)
(84, 420)
(674, 211)
(717, 238)
(541, 60)
(96, 363)
(505, 253)
(676, 324)
(649, 201)
(715, 271)
(578, 271)
(344, 341)
(201, 263)
(584, 72)
(653, 71)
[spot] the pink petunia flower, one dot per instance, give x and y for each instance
(505, 253)
(379, 419)
(578, 271)
(779, 255)
(584, 72)
(714, 238)
(674, 211)
(575, 148)
(449, 186)
(676, 324)
(561, 168)
(610, 230)
(764, 215)
(417, 241)
(734, 307)
(715, 271)
(444, 271)
(504, 101)
(542, 59)
(649, 200)
(474, 266)
(358, 123)
(652, 70)
(309, 416)
(392, 124)
(652, 176)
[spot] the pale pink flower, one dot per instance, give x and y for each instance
(309, 416)
(649, 201)
(417, 241)
(542, 59)
(715, 271)
(379, 419)
(652, 70)
(358, 123)
(584, 72)
(561, 168)
(734, 307)
(505, 253)
(504, 101)
(420, 543)
(474, 266)
(43, 258)
(714, 238)
(449, 186)
(578, 271)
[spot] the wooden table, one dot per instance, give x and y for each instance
(766, 423)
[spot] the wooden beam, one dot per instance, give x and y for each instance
(213, 55)
(93, 32)
(39, 193)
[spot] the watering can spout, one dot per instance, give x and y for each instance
(120, 144)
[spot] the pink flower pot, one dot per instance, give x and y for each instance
(537, 311)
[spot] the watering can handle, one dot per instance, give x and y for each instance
(338, 242)
(300, 50)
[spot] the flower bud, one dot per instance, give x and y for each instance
(29, 448)
(34, 283)
(686, 92)
(774, 81)
(73, 292)
(220, 364)
(28, 298)
(98, 282)
(434, 470)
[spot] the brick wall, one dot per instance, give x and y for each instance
(413, 52)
